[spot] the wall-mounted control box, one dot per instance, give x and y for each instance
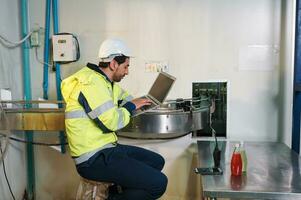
(216, 93)
(64, 48)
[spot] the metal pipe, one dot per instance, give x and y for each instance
(27, 97)
(32, 102)
(58, 69)
(46, 49)
(297, 82)
(57, 65)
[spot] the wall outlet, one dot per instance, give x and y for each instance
(156, 66)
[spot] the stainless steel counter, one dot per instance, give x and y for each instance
(273, 172)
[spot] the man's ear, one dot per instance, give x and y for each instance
(113, 65)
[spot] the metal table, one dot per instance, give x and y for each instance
(273, 172)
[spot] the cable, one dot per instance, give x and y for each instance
(11, 44)
(40, 61)
(34, 143)
(11, 192)
(212, 110)
(210, 125)
(37, 143)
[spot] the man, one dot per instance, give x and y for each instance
(96, 107)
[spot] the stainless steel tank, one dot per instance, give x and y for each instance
(172, 119)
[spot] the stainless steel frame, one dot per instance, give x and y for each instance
(273, 172)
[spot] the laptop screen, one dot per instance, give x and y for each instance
(161, 86)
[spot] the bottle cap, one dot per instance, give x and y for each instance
(236, 145)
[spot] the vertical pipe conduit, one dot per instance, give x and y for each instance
(58, 71)
(46, 49)
(297, 83)
(27, 97)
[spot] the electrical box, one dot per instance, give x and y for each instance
(64, 48)
(35, 39)
(216, 92)
(5, 95)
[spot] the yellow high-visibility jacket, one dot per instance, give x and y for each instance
(95, 108)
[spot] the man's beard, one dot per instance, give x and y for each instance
(117, 78)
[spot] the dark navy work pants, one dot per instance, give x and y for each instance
(136, 170)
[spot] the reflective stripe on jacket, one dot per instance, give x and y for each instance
(95, 108)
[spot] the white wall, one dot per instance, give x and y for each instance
(201, 40)
(11, 77)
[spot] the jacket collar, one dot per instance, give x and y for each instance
(97, 69)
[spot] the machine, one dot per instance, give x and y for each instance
(174, 118)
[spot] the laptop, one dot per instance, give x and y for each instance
(157, 93)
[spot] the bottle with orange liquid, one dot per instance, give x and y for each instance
(236, 162)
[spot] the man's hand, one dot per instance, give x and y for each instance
(139, 102)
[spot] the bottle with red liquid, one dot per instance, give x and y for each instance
(236, 162)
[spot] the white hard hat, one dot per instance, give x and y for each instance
(111, 48)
